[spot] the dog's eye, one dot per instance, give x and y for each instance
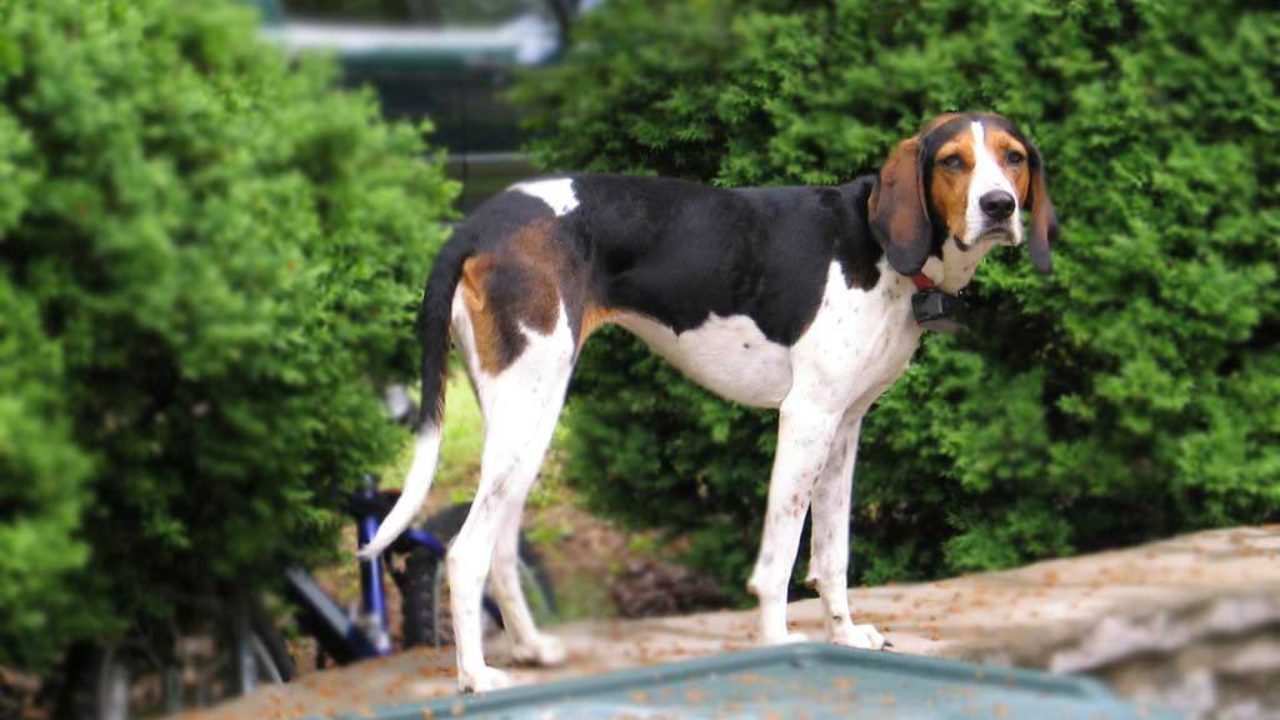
(952, 162)
(1013, 157)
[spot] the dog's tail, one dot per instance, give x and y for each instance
(433, 321)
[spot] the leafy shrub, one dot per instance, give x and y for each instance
(1131, 395)
(42, 473)
(209, 261)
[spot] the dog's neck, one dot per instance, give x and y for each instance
(953, 271)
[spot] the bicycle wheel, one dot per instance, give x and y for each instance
(424, 585)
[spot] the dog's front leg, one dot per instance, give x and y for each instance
(805, 433)
(829, 558)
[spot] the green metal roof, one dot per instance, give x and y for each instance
(796, 681)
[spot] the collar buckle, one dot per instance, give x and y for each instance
(936, 310)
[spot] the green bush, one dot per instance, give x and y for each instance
(210, 260)
(1133, 394)
(42, 473)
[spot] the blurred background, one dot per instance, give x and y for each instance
(216, 218)
(447, 60)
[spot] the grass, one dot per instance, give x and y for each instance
(459, 467)
(458, 471)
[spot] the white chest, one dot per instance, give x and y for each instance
(727, 355)
(860, 342)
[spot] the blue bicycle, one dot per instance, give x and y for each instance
(235, 646)
(418, 571)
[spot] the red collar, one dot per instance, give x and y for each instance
(923, 282)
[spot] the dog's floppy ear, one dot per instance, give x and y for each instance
(897, 211)
(1044, 221)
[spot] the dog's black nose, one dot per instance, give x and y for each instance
(996, 204)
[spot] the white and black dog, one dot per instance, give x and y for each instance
(796, 298)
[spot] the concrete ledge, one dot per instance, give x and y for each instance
(1192, 622)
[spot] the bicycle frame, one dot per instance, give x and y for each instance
(368, 635)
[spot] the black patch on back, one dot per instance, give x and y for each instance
(501, 216)
(677, 251)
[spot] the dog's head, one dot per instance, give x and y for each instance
(965, 178)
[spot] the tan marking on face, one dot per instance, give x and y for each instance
(949, 187)
(1001, 143)
(475, 274)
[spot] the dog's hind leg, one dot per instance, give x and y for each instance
(829, 546)
(528, 645)
(520, 406)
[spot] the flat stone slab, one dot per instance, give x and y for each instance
(1192, 622)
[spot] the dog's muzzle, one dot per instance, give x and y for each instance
(997, 205)
(998, 210)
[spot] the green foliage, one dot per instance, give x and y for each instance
(42, 474)
(209, 260)
(1131, 395)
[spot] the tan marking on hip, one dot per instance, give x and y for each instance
(475, 272)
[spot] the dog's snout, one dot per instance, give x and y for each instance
(997, 204)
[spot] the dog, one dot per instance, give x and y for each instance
(795, 298)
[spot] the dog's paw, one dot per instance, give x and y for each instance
(483, 680)
(544, 651)
(862, 637)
